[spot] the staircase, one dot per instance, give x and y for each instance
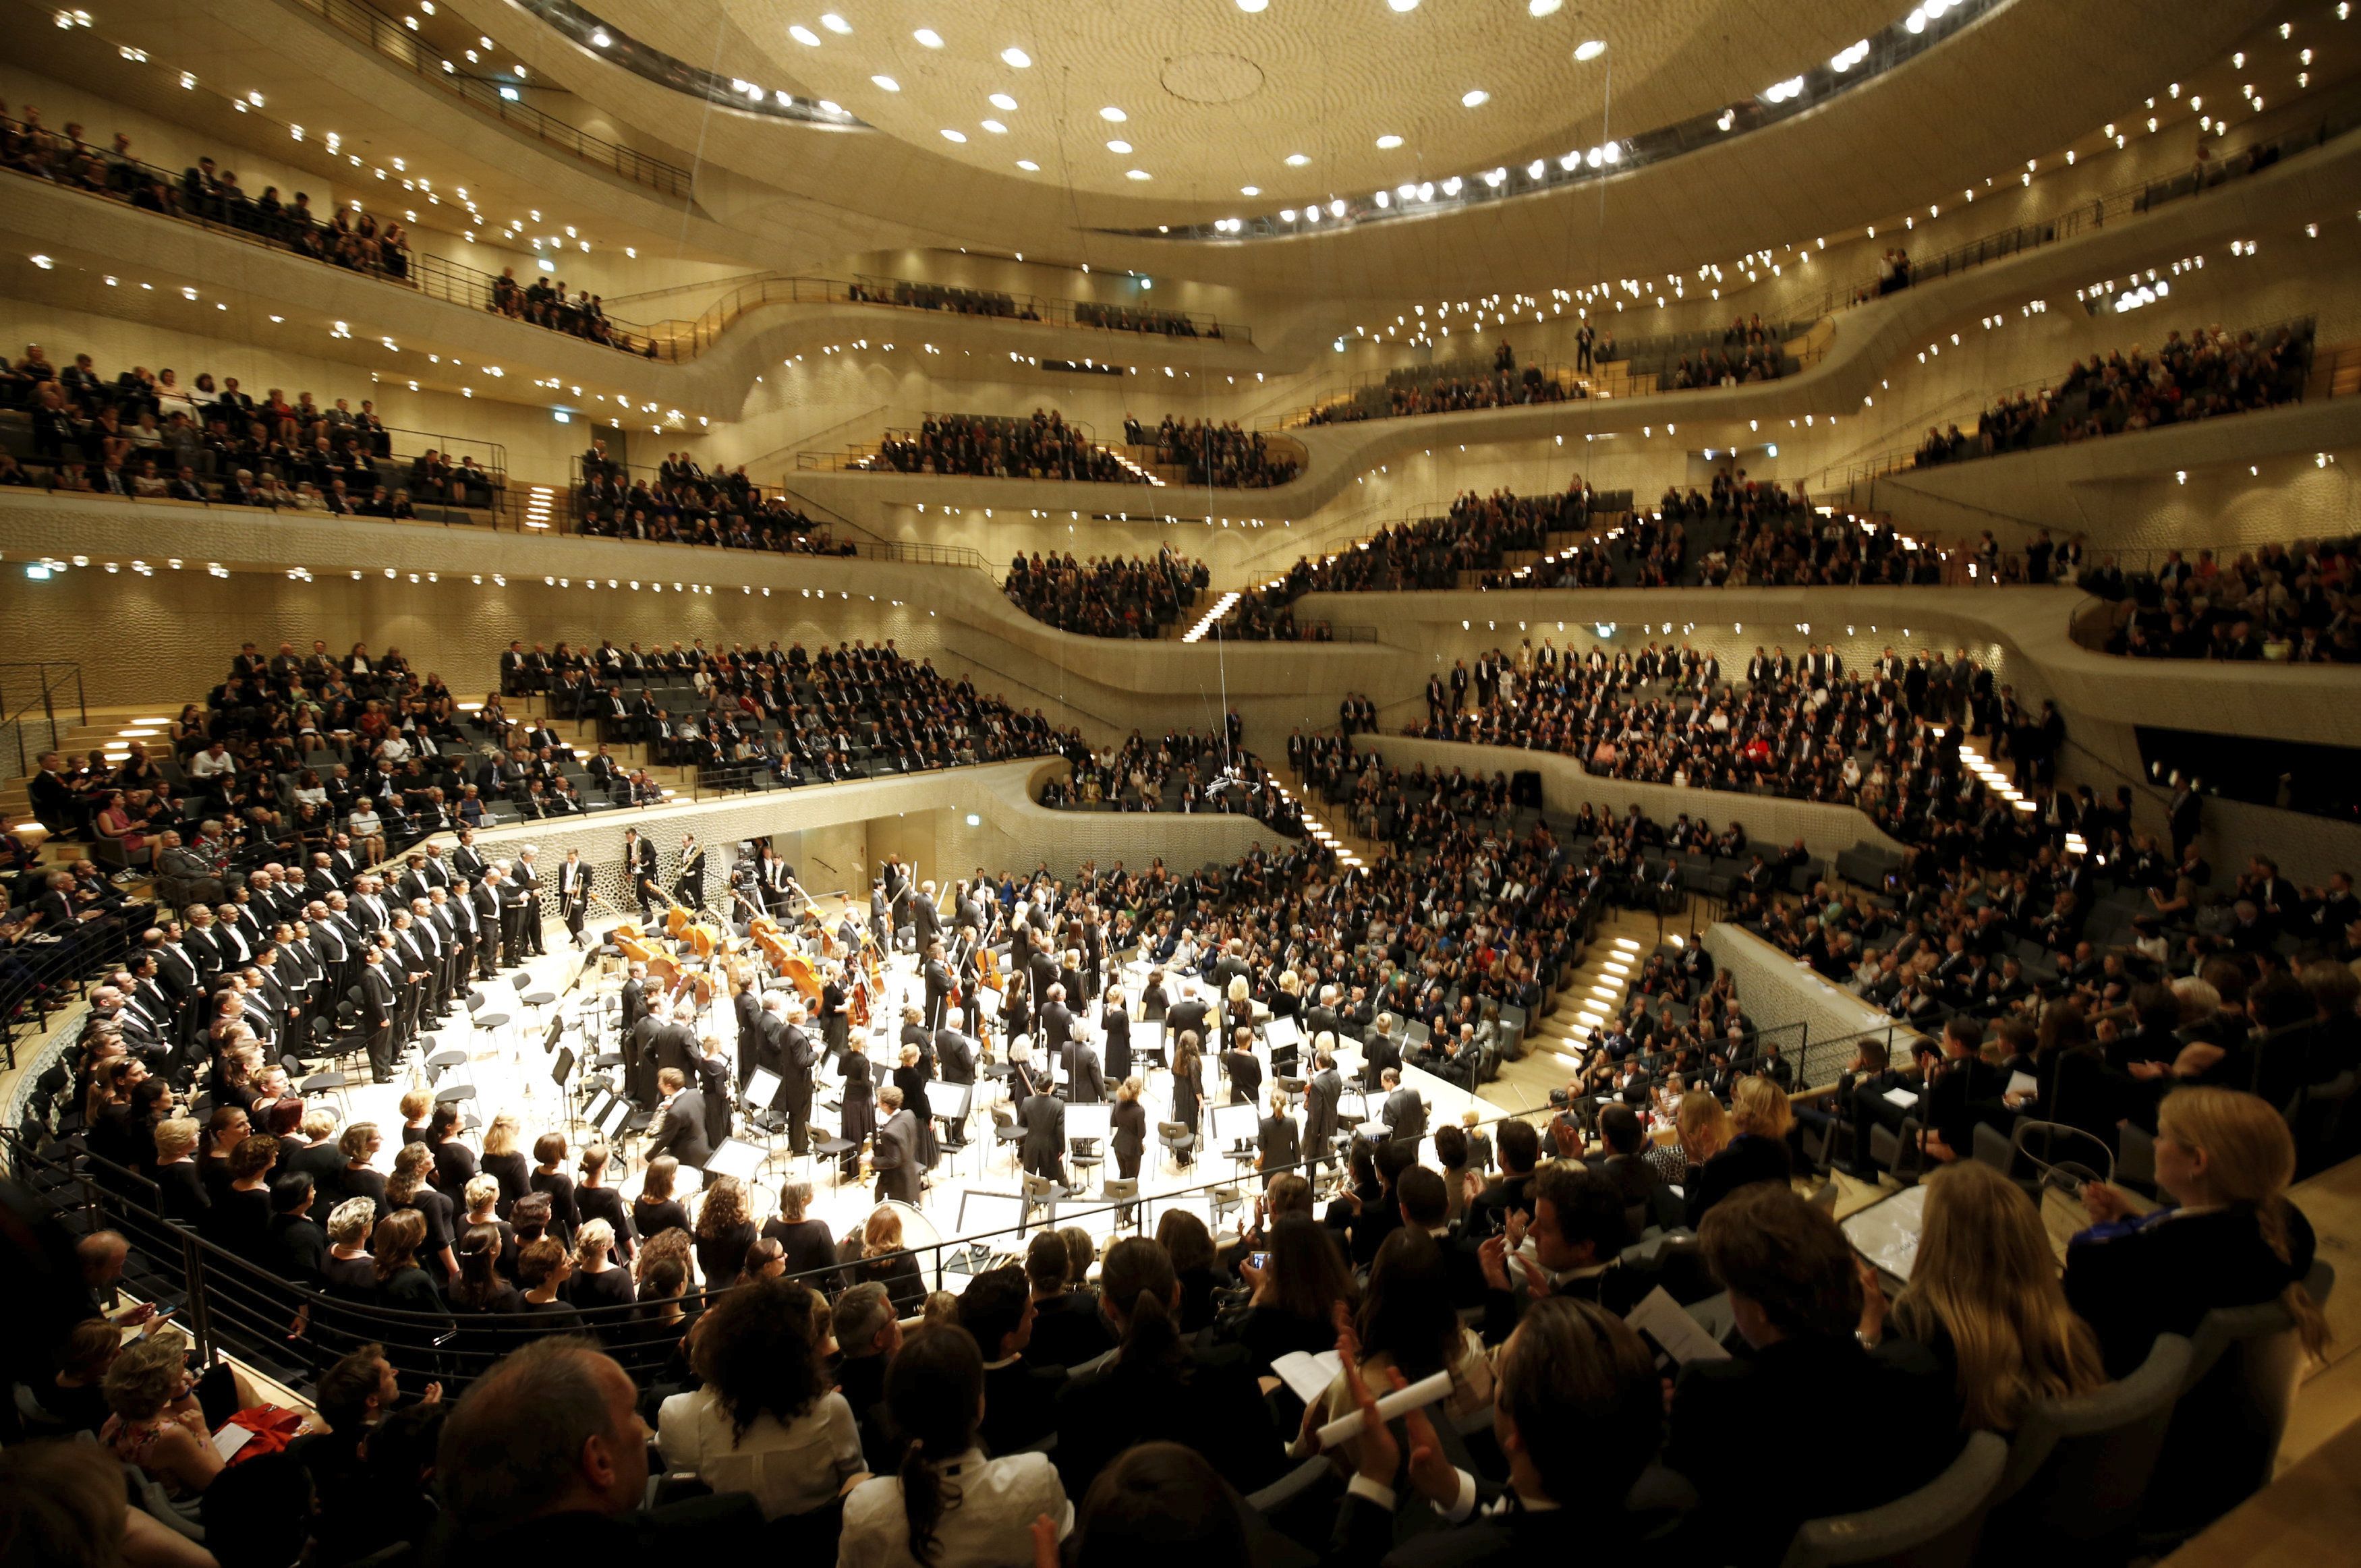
(1592, 994)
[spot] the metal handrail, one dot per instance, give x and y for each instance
(390, 40)
(47, 697)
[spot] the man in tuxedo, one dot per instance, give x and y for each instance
(954, 1049)
(688, 886)
(573, 880)
(680, 1121)
(639, 868)
(525, 889)
(377, 1015)
(796, 1055)
(486, 900)
(1044, 1149)
(895, 1151)
(1322, 1015)
(1278, 1145)
(1085, 1081)
(1381, 1052)
(937, 976)
(510, 909)
(1405, 1112)
(1320, 1092)
(1057, 1022)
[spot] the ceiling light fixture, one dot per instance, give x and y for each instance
(1389, 142)
(996, 127)
(887, 82)
(1297, 160)
(1113, 116)
(1249, 189)
(1402, 4)
(1252, 7)
(1474, 100)
(1003, 100)
(929, 37)
(1589, 48)
(1017, 57)
(951, 134)
(804, 35)
(1028, 165)
(1543, 7)
(834, 23)
(1136, 174)
(1118, 147)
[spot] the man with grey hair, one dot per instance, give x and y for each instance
(869, 1336)
(546, 1454)
(526, 890)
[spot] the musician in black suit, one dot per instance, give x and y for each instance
(1085, 1082)
(1057, 1028)
(1278, 1145)
(573, 880)
(688, 886)
(938, 983)
(524, 880)
(680, 1122)
(796, 1055)
(1320, 1092)
(377, 1015)
(1044, 1150)
(1381, 1052)
(639, 868)
(954, 1049)
(487, 927)
(1405, 1112)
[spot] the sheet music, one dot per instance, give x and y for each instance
(1090, 1122)
(762, 1088)
(1234, 1125)
(1282, 1033)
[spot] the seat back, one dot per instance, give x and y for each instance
(2223, 1439)
(1938, 1526)
(2080, 1467)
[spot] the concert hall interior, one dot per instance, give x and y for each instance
(1324, 781)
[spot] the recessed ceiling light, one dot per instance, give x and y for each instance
(804, 35)
(1403, 4)
(1003, 100)
(1028, 165)
(1543, 7)
(929, 37)
(1474, 100)
(996, 127)
(1113, 116)
(951, 134)
(1118, 147)
(834, 23)
(1134, 173)
(887, 82)
(1297, 160)
(1589, 48)
(1249, 189)
(1389, 142)
(1017, 57)
(1251, 6)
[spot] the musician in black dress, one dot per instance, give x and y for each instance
(1115, 1049)
(1130, 1128)
(911, 1077)
(859, 1111)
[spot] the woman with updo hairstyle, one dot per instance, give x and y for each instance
(949, 1504)
(157, 1424)
(1157, 1387)
(765, 1423)
(598, 1281)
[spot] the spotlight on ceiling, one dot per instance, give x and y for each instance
(1589, 48)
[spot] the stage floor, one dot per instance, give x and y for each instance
(972, 1190)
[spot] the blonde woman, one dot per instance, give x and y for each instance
(1985, 1296)
(503, 1160)
(1752, 1143)
(2225, 1158)
(598, 1281)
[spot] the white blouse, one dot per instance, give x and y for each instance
(989, 1509)
(789, 1468)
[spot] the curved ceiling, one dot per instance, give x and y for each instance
(1214, 99)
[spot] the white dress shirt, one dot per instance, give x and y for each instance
(790, 1468)
(990, 1525)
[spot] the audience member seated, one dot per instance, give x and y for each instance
(1111, 596)
(144, 434)
(1796, 1298)
(2230, 1239)
(2209, 373)
(765, 1423)
(998, 447)
(2274, 603)
(688, 506)
(1222, 456)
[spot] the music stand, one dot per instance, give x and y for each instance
(1282, 1035)
(1148, 1042)
(735, 1157)
(1235, 1126)
(762, 1089)
(607, 1112)
(991, 1213)
(560, 1066)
